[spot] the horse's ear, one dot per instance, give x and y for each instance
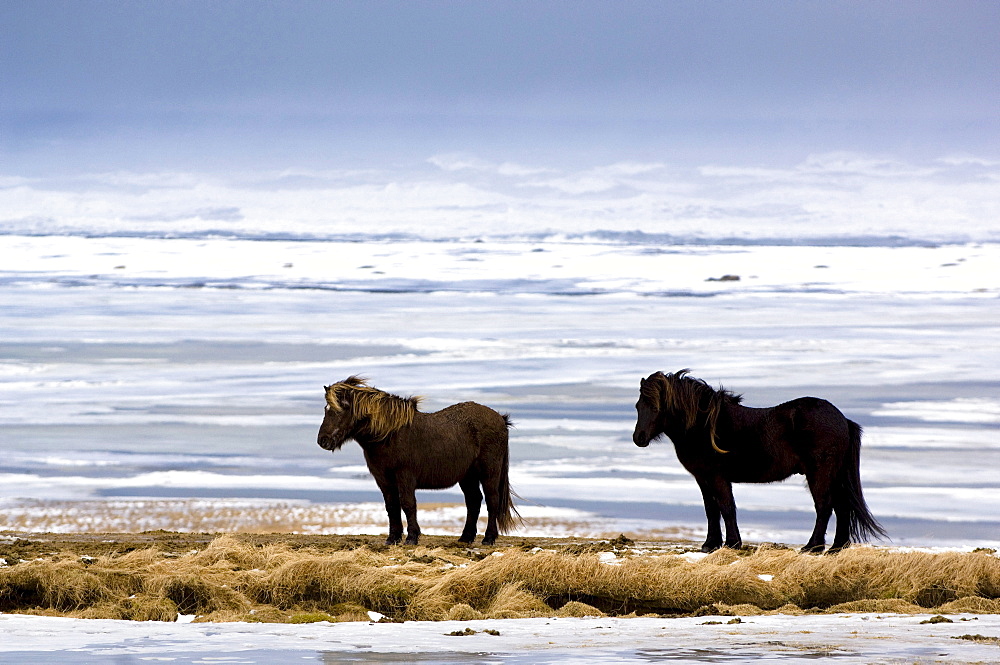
(642, 383)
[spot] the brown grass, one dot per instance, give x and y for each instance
(242, 578)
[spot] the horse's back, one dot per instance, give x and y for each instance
(811, 413)
(817, 428)
(812, 403)
(471, 412)
(470, 420)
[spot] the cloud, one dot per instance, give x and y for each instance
(966, 159)
(852, 163)
(826, 164)
(843, 194)
(602, 178)
(458, 162)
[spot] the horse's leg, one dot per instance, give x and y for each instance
(407, 484)
(842, 509)
(727, 506)
(390, 494)
(491, 488)
(473, 504)
(712, 491)
(820, 486)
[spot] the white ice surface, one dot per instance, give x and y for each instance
(194, 366)
(541, 267)
(842, 638)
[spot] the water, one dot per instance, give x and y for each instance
(172, 361)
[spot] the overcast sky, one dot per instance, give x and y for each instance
(103, 83)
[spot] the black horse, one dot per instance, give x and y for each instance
(406, 450)
(720, 442)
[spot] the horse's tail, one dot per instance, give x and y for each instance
(508, 517)
(863, 524)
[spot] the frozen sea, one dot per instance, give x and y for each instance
(164, 340)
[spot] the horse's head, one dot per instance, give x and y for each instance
(649, 410)
(356, 410)
(338, 420)
(679, 406)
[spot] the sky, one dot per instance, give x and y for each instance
(94, 84)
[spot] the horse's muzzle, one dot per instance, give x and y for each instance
(328, 442)
(640, 439)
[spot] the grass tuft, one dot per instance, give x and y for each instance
(246, 578)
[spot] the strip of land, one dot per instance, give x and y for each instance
(300, 578)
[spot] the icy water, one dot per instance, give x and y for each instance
(155, 368)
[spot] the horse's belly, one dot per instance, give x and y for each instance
(437, 482)
(763, 478)
(756, 473)
(441, 475)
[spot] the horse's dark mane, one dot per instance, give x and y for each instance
(693, 399)
(386, 412)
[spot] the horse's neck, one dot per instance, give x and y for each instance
(735, 417)
(365, 438)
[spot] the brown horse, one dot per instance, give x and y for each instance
(406, 450)
(720, 442)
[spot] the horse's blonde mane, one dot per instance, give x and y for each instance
(683, 394)
(386, 413)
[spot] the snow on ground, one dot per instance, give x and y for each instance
(840, 638)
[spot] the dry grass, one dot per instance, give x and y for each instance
(238, 578)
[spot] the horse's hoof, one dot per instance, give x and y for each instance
(393, 541)
(708, 548)
(813, 549)
(489, 541)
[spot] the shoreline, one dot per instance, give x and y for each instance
(442, 516)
